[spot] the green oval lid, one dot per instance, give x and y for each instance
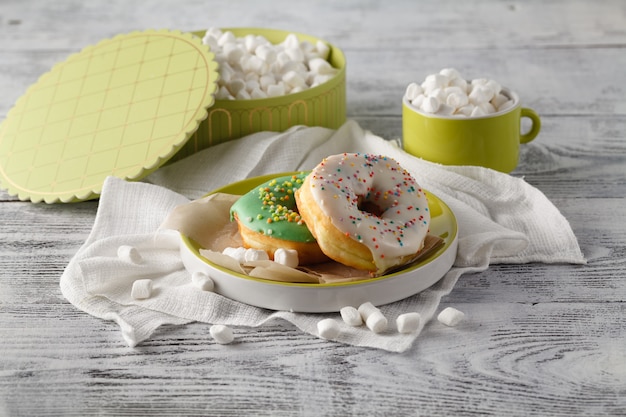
(120, 108)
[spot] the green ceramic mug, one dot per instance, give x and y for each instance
(490, 141)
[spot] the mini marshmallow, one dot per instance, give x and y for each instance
(506, 105)
(257, 93)
(373, 317)
(412, 91)
(450, 316)
(295, 54)
(494, 86)
(445, 110)
(450, 73)
(255, 64)
(320, 79)
(461, 83)
(232, 52)
(211, 35)
(293, 79)
(418, 101)
(129, 254)
(226, 37)
(267, 80)
(457, 100)
(252, 56)
(276, 90)
(222, 334)
(488, 108)
(322, 49)
(239, 254)
(202, 281)
(252, 255)
(434, 81)
(252, 85)
(223, 94)
(320, 66)
(266, 53)
(499, 100)
(480, 94)
(465, 110)
(243, 95)
(227, 73)
(453, 89)
(478, 81)
(282, 59)
(291, 41)
(408, 322)
(328, 329)
(351, 316)
(250, 43)
(478, 111)
(430, 104)
(235, 86)
(287, 257)
(367, 309)
(142, 289)
(439, 92)
(377, 322)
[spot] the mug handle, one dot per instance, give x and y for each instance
(536, 125)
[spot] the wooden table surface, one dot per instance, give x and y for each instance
(542, 340)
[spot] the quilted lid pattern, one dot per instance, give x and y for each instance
(121, 107)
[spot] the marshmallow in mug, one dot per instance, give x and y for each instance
(447, 93)
(251, 67)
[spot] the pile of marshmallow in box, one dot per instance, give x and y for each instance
(251, 67)
(447, 93)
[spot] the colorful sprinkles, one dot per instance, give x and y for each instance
(372, 199)
(271, 209)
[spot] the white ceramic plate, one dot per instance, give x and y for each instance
(320, 298)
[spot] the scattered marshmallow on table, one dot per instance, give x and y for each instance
(408, 322)
(447, 93)
(202, 281)
(450, 316)
(328, 329)
(142, 289)
(288, 67)
(222, 334)
(373, 317)
(351, 316)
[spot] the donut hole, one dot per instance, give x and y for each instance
(370, 207)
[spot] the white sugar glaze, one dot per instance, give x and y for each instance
(343, 185)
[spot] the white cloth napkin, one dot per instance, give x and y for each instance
(502, 219)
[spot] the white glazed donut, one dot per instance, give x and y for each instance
(365, 211)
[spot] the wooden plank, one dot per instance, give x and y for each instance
(504, 359)
(552, 82)
(544, 340)
(354, 24)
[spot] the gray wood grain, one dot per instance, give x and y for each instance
(539, 340)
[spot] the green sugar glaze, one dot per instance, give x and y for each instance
(271, 209)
